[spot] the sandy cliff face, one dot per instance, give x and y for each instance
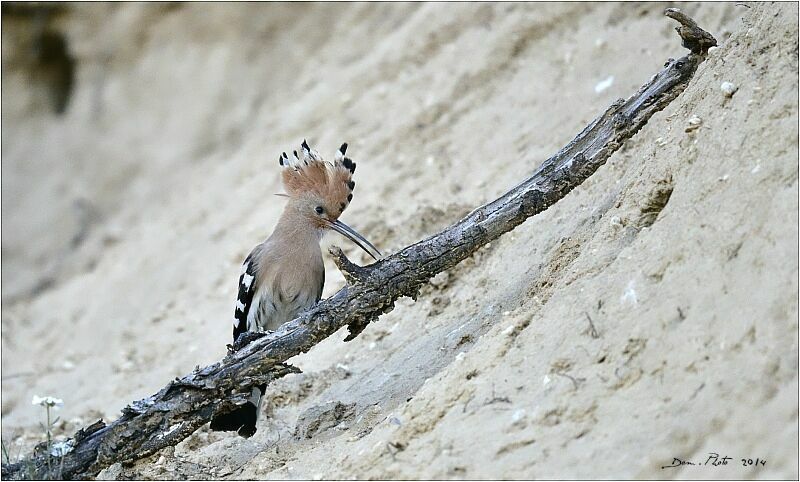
(139, 160)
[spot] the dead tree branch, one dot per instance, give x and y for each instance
(186, 404)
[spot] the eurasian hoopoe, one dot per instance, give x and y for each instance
(284, 275)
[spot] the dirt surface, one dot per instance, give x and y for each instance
(651, 314)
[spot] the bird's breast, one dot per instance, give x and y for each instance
(287, 291)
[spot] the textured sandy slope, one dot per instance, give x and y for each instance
(173, 133)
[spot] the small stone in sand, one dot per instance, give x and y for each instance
(728, 89)
(693, 124)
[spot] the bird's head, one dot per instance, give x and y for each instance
(321, 191)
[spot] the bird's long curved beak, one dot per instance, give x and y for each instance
(353, 236)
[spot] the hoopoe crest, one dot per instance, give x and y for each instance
(323, 190)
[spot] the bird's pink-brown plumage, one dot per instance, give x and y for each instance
(285, 274)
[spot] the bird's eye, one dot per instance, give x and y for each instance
(319, 209)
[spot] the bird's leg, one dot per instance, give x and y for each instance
(246, 338)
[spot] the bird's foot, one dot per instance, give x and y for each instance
(246, 338)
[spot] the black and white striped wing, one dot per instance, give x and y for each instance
(244, 299)
(243, 419)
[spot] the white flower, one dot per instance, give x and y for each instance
(60, 449)
(47, 401)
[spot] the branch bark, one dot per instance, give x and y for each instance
(187, 403)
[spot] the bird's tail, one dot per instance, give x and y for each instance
(243, 419)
